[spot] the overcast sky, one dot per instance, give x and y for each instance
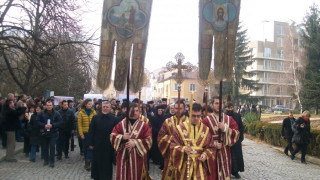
(174, 25)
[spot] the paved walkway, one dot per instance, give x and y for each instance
(261, 162)
(264, 162)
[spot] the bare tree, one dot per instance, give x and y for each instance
(295, 53)
(33, 42)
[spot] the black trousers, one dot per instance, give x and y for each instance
(49, 144)
(289, 146)
(64, 142)
(303, 148)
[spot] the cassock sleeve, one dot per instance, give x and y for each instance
(177, 148)
(210, 152)
(231, 135)
(164, 138)
(143, 144)
(116, 136)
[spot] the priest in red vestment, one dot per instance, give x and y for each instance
(165, 138)
(229, 136)
(137, 142)
(190, 147)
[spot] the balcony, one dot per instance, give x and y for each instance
(272, 69)
(276, 81)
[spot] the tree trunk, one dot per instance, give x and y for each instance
(316, 110)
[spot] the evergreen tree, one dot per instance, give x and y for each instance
(311, 37)
(241, 78)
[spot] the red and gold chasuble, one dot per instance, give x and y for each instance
(197, 137)
(164, 139)
(222, 165)
(144, 119)
(136, 167)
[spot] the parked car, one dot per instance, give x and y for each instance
(279, 108)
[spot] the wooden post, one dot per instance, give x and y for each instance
(220, 109)
(178, 113)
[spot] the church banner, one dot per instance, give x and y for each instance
(218, 27)
(125, 25)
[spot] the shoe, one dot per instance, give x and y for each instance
(59, 157)
(11, 160)
(32, 160)
(87, 165)
(292, 157)
(67, 156)
(236, 175)
(52, 165)
(304, 162)
(45, 163)
(286, 152)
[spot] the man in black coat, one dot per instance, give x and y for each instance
(49, 121)
(99, 132)
(287, 133)
(66, 129)
(236, 150)
(12, 124)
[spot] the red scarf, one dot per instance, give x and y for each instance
(305, 119)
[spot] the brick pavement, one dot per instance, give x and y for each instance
(261, 162)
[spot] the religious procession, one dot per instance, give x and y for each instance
(221, 119)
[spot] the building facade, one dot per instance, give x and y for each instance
(275, 66)
(164, 86)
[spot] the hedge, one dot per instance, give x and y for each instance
(271, 133)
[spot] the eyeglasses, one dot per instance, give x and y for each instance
(196, 116)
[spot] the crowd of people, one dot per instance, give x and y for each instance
(185, 141)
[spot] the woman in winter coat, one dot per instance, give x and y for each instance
(84, 120)
(301, 136)
(34, 130)
(26, 135)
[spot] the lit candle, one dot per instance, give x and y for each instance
(190, 111)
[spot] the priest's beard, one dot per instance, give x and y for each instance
(229, 113)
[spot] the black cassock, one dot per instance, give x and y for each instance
(156, 124)
(236, 149)
(99, 132)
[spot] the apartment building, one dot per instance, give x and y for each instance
(275, 64)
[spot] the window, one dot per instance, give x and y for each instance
(192, 87)
(254, 52)
(280, 65)
(280, 42)
(280, 54)
(266, 102)
(279, 90)
(267, 52)
(282, 77)
(267, 64)
(266, 89)
(266, 77)
(175, 87)
(279, 29)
